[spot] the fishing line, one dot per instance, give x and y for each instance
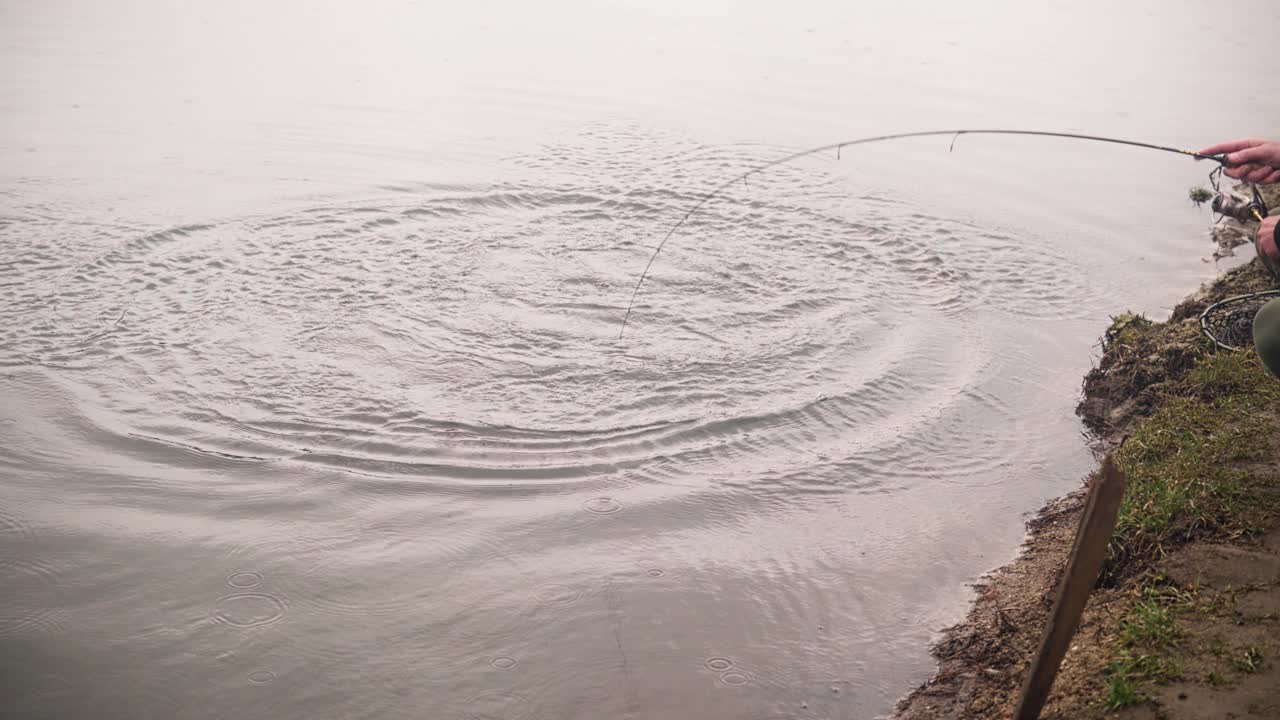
(838, 147)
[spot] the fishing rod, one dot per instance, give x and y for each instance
(1222, 200)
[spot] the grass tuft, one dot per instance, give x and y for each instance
(1149, 623)
(1148, 635)
(1250, 660)
(1122, 691)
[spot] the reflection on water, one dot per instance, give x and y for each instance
(310, 413)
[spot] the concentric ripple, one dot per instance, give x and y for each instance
(466, 339)
(503, 662)
(262, 677)
(719, 664)
(497, 706)
(557, 594)
(603, 506)
(249, 609)
(244, 579)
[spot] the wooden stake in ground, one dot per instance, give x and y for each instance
(1087, 555)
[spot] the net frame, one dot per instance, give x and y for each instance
(1229, 322)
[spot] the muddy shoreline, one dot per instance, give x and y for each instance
(982, 661)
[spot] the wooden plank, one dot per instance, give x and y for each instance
(1087, 555)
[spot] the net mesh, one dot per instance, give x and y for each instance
(1230, 323)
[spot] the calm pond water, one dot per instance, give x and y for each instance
(312, 400)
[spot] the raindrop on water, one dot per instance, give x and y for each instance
(556, 594)
(244, 579)
(603, 506)
(503, 662)
(249, 609)
(719, 664)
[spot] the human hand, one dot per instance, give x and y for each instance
(1268, 244)
(1257, 161)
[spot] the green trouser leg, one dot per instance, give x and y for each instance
(1266, 335)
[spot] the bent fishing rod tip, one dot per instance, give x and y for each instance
(840, 146)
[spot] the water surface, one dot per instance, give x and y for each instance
(313, 400)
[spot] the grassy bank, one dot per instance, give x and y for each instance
(1201, 460)
(1186, 619)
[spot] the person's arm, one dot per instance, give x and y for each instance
(1251, 159)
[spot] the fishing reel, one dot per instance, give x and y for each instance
(1245, 210)
(1239, 208)
(1230, 204)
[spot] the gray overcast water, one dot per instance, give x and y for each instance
(312, 401)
